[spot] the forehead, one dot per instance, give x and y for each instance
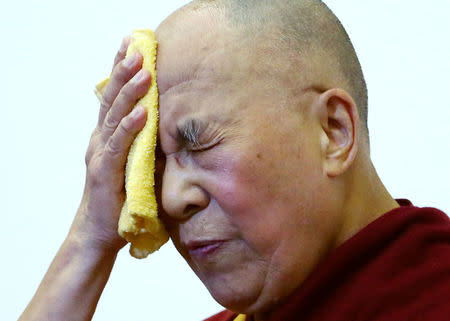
(193, 43)
(185, 40)
(195, 65)
(204, 67)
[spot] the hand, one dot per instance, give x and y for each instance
(118, 124)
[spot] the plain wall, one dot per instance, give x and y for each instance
(54, 52)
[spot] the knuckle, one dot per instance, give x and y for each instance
(95, 177)
(120, 54)
(110, 123)
(117, 60)
(128, 93)
(121, 72)
(112, 148)
(126, 126)
(105, 103)
(87, 157)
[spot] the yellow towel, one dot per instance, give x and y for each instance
(139, 222)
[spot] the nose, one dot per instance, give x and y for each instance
(181, 196)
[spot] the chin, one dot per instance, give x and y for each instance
(236, 301)
(238, 296)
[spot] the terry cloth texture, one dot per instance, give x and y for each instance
(139, 222)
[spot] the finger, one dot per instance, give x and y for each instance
(122, 51)
(136, 88)
(118, 145)
(121, 74)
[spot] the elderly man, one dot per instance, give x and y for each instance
(268, 190)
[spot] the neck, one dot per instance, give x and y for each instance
(366, 200)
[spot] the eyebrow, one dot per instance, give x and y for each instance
(190, 130)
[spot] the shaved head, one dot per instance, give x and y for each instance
(305, 37)
(263, 110)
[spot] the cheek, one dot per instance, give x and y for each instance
(235, 183)
(267, 190)
(243, 189)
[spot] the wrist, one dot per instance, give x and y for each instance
(76, 243)
(87, 236)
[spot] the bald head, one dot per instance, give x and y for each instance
(261, 106)
(305, 37)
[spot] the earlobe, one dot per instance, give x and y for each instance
(340, 127)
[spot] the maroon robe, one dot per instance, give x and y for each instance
(395, 269)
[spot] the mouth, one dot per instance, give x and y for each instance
(203, 249)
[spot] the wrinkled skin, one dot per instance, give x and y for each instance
(254, 180)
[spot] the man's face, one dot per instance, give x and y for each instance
(243, 191)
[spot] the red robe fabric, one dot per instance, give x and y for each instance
(395, 269)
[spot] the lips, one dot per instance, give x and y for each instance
(203, 249)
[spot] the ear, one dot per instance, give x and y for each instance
(339, 120)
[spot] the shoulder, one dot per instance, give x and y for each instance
(410, 265)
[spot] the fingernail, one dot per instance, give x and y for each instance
(125, 43)
(140, 75)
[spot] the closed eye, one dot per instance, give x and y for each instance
(198, 136)
(197, 148)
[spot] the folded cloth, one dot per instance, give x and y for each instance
(139, 222)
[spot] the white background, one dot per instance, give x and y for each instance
(53, 52)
